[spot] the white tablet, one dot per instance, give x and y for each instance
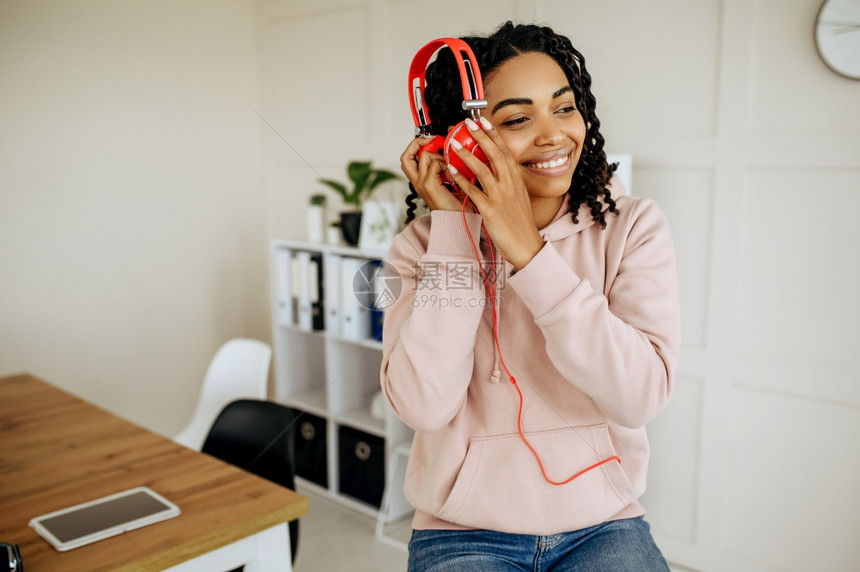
(108, 516)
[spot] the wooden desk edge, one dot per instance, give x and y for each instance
(200, 546)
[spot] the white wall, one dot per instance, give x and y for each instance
(131, 209)
(752, 147)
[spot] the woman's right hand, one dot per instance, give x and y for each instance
(426, 175)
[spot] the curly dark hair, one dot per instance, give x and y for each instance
(443, 95)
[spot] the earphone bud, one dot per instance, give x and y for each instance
(473, 102)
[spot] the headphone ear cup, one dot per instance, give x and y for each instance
(462, 134)
(436, 145)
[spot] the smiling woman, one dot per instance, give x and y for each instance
(539, 123)
(589, 181)
(582, 320)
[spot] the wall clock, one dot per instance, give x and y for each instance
(837, 36)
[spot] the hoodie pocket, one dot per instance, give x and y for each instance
(500, 486)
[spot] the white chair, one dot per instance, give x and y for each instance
(240, 369)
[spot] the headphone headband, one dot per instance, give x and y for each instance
(470, 78)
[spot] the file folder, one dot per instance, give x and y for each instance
(302, 294)
(284, 294)
(354, 285)
(332, 292)
(315, 291)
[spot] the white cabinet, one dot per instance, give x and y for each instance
(327, 369)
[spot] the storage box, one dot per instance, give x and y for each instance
(311, 449)
(361, 458)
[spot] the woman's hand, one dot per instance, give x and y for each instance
(425, 173)
(503, 200)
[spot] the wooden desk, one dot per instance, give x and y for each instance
(57, 450)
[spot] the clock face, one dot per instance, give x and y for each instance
(837, 36)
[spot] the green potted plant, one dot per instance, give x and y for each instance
(317, 199)
(364, 179)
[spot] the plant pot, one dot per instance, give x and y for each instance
(350, 226)
(333, 235)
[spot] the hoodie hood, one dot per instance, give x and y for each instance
(562, 226)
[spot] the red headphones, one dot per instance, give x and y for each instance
(473, 102)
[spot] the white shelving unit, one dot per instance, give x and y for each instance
(334, 377)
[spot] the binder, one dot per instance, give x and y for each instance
(301, 290)
(332, 294)
(284, 294)
(354, 283)
(315, 291)
(381, 300)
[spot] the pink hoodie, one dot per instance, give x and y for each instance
(590, 330)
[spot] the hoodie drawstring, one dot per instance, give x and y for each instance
(498, 264)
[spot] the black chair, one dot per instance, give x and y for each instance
(258, 436)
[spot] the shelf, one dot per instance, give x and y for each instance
(362, 420)
(404, 448)
(322, 334)
(311, 401)
(333, 378)
(357, 505)
(397, 533)
(298, 330)
(378, 254)
(366, 343)
(303, 483)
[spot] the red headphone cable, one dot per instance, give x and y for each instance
(491, 292)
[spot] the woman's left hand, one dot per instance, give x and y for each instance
(504, 200)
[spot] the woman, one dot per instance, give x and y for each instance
(529, 387)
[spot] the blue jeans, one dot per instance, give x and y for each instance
(617, 546)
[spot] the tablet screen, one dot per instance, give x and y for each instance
(137, 506)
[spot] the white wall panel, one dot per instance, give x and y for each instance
(671, 500)
(288, 186)
(275, 9)
(792, 503)
(663, 80)
(414, 24)
(790, 86)
(685, 195)
(319, 97)
(815, 380)
(800, 269)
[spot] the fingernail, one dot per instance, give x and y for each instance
(486, 123)
(456, 144)
(452, 169)
(471, 125)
